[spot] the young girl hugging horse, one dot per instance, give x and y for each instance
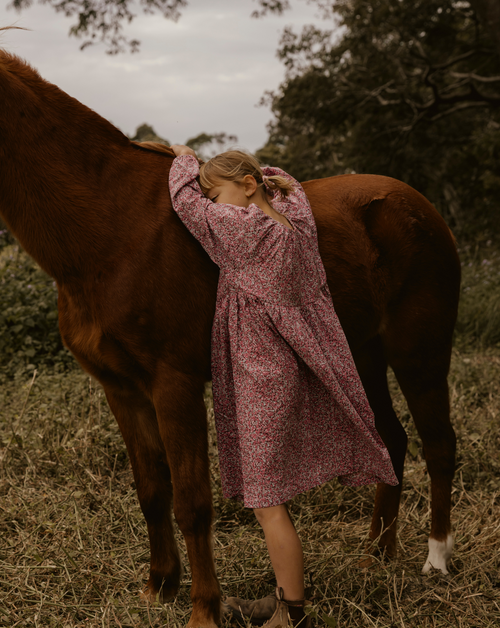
(290, 409)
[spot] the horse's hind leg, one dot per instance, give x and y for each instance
(418, 348)
(136, 417)
(372, 368)
(426, 391)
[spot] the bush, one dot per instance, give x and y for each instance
(29, 333)
(6, 237)
(478, 321)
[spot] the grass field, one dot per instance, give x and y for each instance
(73, 542)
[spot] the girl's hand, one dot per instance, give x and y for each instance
(180, 149)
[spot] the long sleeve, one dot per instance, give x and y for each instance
(296, 205)
(224, 231)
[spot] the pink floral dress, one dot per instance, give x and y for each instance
(290, 409)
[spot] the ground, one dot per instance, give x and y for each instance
(73, 542)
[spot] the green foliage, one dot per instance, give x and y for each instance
(478, 323)
(5, 236)
(29, 335)
(206, 145)
(271, 6)
(146, 133)
(400, 88)
(103, 20)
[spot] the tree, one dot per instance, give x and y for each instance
(146, 133)
(409, 89)
(207, 145)
(103, 20)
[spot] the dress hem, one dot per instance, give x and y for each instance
(343, 479)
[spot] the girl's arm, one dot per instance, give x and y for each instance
(297, 201)
(223, 230)
(298, 191)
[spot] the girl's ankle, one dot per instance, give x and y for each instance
(296, 611)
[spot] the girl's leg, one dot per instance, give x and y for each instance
(285, 550)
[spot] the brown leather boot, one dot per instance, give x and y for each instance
(288, 613)
(255, 611)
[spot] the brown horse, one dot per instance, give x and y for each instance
(137, 297)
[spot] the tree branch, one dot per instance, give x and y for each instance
(475, 77)
(454, 60)
(459, 107)
(271, 6)
(103, 20)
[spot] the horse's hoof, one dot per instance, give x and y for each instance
(439, 555)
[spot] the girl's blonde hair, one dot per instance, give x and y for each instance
(234, 165)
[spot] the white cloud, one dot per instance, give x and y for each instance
(207, 72)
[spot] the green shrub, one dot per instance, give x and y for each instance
(29, 334)
(479, 310)
(6, 237)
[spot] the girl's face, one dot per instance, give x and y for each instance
(238, 193)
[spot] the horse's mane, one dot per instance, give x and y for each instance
(155, 147)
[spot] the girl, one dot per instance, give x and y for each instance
(290, 409)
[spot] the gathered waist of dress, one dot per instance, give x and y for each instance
(290, 294)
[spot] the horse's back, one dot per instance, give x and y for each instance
(380, 241)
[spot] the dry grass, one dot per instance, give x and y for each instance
(73, 542)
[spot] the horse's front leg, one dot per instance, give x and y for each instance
(178, 400)
(136, 417)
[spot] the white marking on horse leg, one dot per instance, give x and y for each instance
(439, 555)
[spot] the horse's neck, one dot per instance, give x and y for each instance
(68, 216)
(68, 177)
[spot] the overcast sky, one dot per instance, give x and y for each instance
(205, 73)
